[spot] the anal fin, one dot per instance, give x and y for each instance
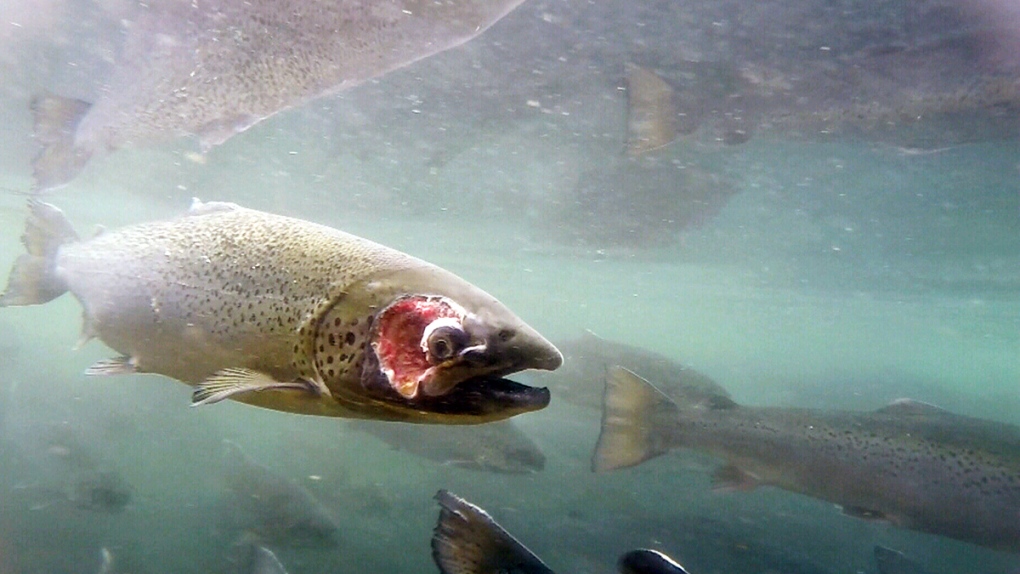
(231, 382)
(122, 365)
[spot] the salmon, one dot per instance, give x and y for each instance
(910, 464)
(286, 314)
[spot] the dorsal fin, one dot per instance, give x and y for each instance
(468, 541)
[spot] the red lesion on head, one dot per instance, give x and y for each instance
(398, 339)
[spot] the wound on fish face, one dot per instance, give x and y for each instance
(415, 337)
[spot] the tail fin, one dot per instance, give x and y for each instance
(468, 541)
(33, 280)
(634, 416)
(56, 122)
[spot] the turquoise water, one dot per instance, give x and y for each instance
(840, 274)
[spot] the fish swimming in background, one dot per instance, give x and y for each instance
(498, 447)
(273, 507)
(911, 464)
(467, 540)
(286, 314)
(586, 358)
(214, 69)
(55, 466)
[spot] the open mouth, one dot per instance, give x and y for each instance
(483, 396)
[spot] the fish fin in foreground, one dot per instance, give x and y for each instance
(122, 365)
(467, 540)
(645, 561)
(56, 122)
(632, 413)
(229, 382)
(33, 280)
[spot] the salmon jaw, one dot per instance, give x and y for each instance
(401, 331)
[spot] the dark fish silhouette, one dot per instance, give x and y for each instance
(213, 69)
(467, 540)
(909, 463)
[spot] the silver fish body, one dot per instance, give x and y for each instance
(911, 464)
(213, 69)
(235, 300)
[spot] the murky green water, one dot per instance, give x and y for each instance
(840, 271)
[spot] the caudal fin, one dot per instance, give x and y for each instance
(468, 541)
(635, 421)
(56, 121)
(33, 279)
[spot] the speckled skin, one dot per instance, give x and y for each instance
(911, 464)
(228, 287)
(214, 68)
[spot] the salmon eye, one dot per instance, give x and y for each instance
(444, 342)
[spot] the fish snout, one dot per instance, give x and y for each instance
(513, 348)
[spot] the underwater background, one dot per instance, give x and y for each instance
(836, 264)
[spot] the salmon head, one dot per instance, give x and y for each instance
(420, 342)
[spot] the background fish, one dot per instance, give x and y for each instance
(271, 506)
(911, 464)
(214, 69)
(496, 447)
(238, 301)
(587, 358)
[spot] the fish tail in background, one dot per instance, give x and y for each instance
(634, 416)
(33, 279)
(56, 122)
(468, 541)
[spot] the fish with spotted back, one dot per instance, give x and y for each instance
(213, 69)
(910, 463)
(286, 314)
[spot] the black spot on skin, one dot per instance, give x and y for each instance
(349, 338)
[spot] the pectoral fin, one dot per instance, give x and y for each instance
(122, 365)
(230, 382)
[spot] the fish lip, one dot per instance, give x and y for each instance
(483, 396)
